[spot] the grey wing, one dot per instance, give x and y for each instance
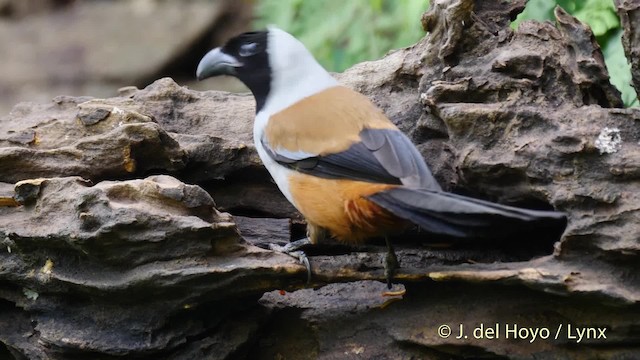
(383, 156)
(397, 154)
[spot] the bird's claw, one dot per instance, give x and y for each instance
(304, 260)
(293, 249)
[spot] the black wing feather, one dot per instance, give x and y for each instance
(383, 156)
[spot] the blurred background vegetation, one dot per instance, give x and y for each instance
(342, 33)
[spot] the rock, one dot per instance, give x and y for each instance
(214, 128)
(253, 194)
(98, 218)
(525, 117)
(201, 137)
(445, 21)
(17, 9)
(116, 255)
(353, 321)
(112, 141)
(629, 18)
(518, 143)
(7, 195)
(80, 49)
(263, 231)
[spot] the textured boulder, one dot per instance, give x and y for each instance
(204, 138)
(122, 267)
(107, 266)
(75, 136)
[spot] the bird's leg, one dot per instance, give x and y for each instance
(390, 263)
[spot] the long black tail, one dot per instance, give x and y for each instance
(463, 217)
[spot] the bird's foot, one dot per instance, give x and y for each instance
(293, 249)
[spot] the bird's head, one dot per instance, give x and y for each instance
(273, 64)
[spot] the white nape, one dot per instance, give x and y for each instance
(295, 73)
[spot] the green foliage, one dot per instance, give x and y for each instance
(601, 16)
(341, 33)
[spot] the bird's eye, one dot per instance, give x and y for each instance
(248, 49)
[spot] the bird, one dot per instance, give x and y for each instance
(341, 162)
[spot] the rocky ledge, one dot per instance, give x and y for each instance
(117, 239)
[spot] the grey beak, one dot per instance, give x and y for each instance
(215, 63)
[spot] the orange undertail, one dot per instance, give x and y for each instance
(341, 207)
